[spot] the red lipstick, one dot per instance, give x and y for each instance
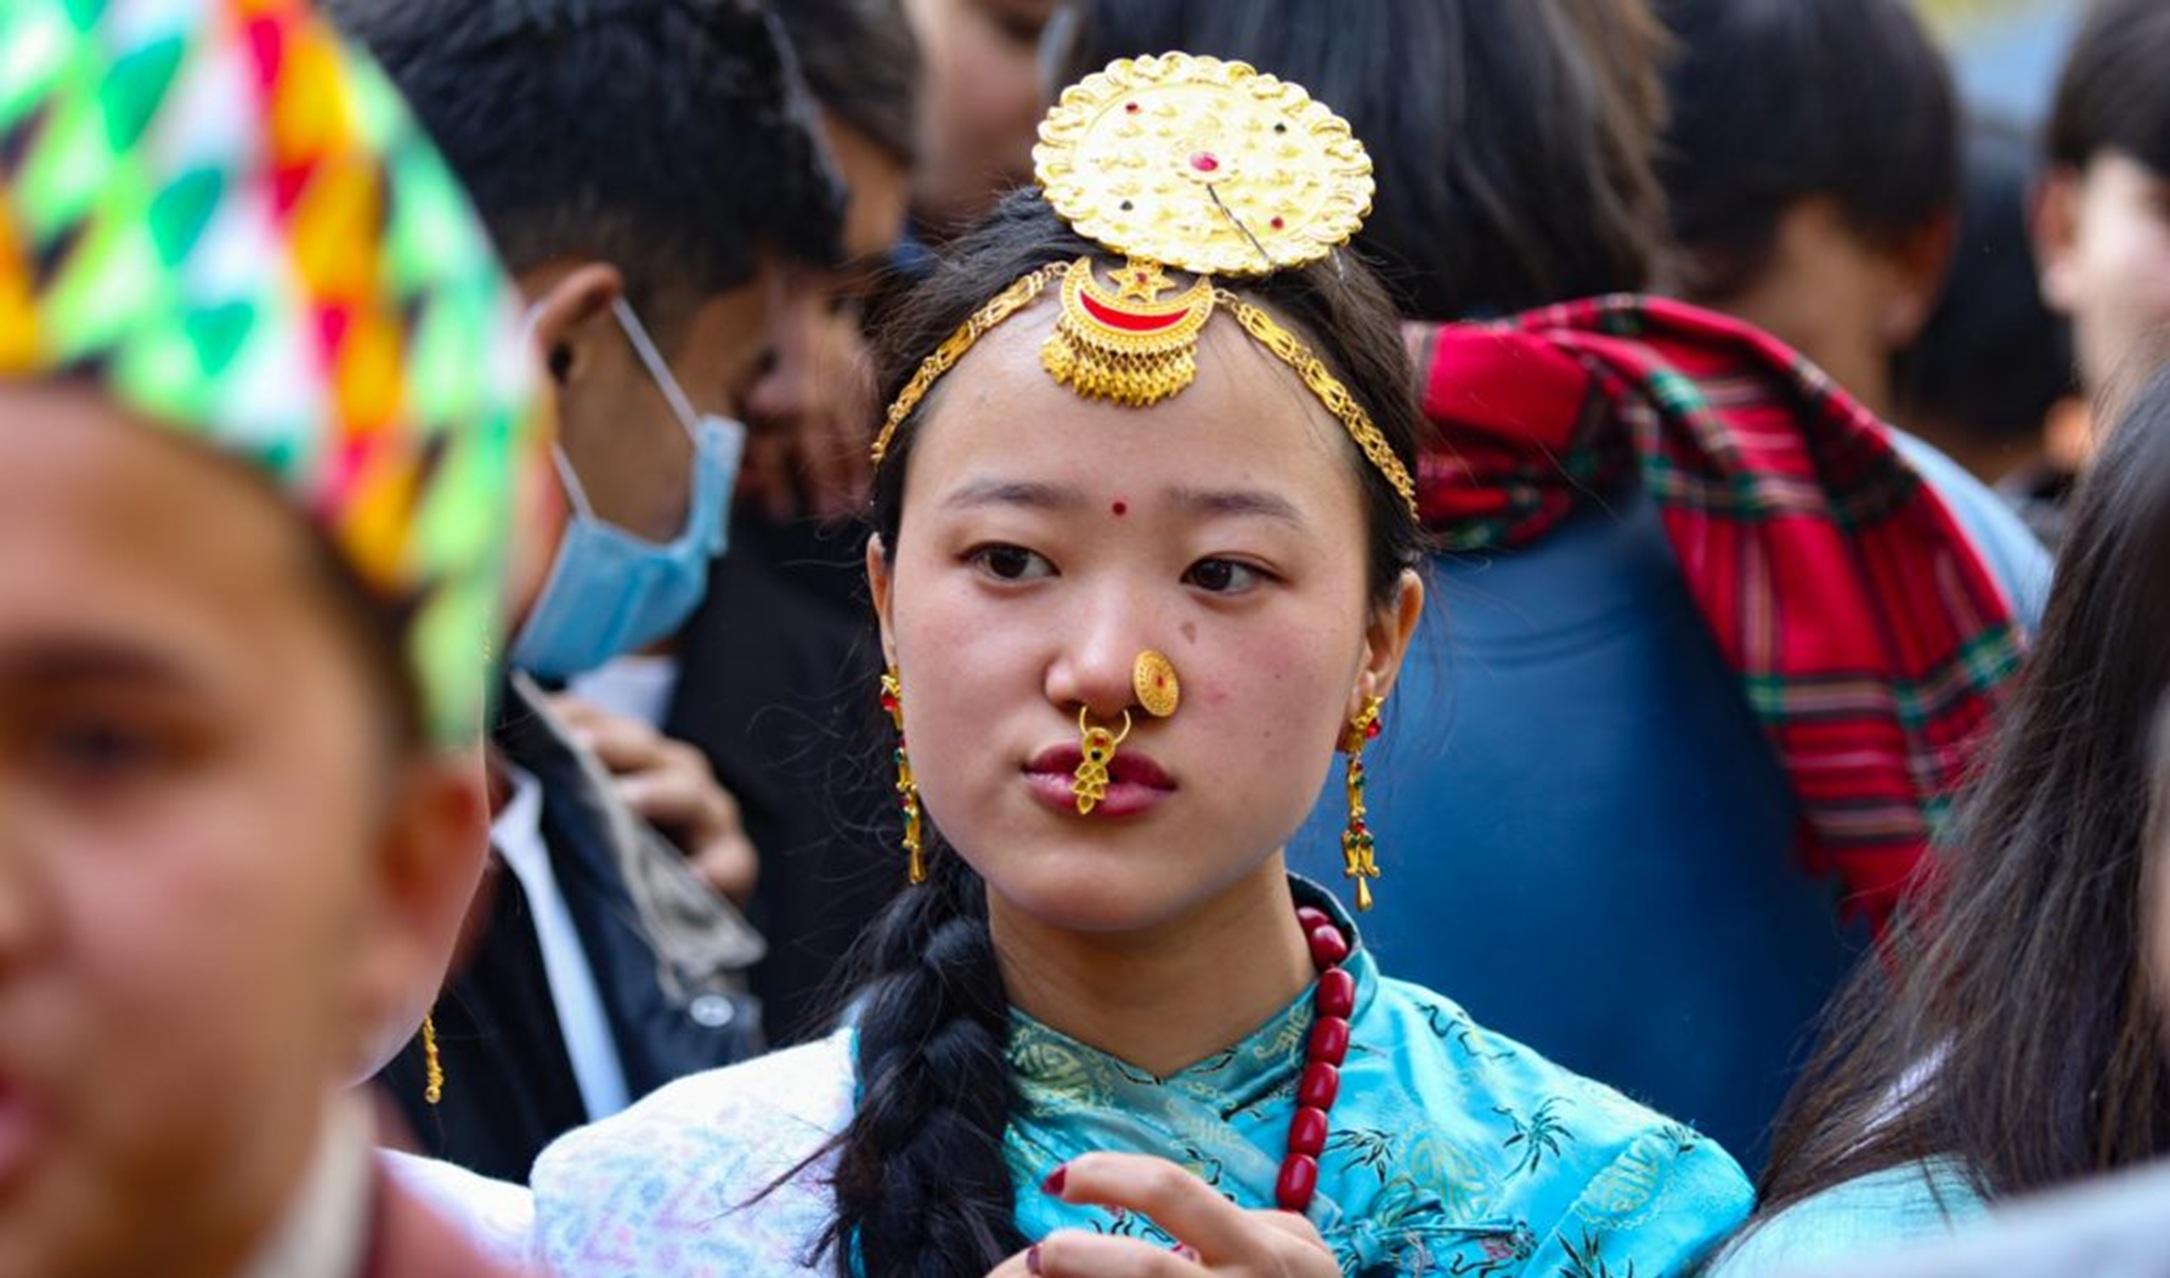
(1135, 782)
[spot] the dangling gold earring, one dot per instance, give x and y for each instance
(433, 1066)
(1358, 852)
(915, 862)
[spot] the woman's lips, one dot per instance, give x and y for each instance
(1135, 781)
(18, 1131)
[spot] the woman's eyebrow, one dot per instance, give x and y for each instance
(1010, 492)
(1255, 502)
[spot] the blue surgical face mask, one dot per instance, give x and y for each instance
(610, 592)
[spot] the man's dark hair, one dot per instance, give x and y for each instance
(670, 138)
(862, 62)
(1513, 160)
(1993, 360)
(2114, 93)
(1778, 101)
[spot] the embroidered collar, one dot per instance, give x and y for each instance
(1057, 1072)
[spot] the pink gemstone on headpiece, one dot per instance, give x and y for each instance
(1205, 162)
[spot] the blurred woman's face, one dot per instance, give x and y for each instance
(1046, 541)
(2103, 237)
(982, 103)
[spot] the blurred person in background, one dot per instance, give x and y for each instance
(1604, 808)
(811, 412)
(1989, 380)
(1811, 167)
(2011, 1041)
(986, 88)
(771, 676)
(265, 412)
(2102, 222)
(649, 170)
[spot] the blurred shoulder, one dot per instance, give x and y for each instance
(1865, 1216)
(714, 1176)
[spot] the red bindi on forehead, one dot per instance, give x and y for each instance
(1119, 509)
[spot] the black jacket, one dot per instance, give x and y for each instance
(669, 960)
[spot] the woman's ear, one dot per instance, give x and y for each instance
(878, 581)
(2053, 224)
(429, 861)
(1386, 641)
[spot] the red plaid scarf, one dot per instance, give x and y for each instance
(1867, 634)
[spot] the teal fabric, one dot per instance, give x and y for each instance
(1453, 1150)
(1860, 1220)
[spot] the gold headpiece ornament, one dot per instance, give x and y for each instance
(1197, 164)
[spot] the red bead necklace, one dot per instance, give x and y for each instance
(1334, 1001)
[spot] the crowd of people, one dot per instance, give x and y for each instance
(968, 638)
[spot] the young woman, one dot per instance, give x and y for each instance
(2022, 1048)
(1143, 560)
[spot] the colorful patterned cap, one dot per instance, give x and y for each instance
(231, 223)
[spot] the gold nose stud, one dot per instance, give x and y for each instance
(1152, 678)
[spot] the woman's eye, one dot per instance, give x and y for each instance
(96, 750)
(1012, 563)
(1223, 576)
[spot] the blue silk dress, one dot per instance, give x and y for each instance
(1453, 1151)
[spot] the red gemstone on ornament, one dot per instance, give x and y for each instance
(1337, 993)
(1321, 1084)
(1205, 162)
(1299, 1181)
(1371, 731)
(1131, 107)
(889, 703)
(1307, 1131)
(1329, 1040)
(1313, 918)
(1277, 224)
(1328, 947)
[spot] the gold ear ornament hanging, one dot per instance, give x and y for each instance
(1202, 166)
(1359, 853)
(1097, 745)
(907, 786)
(433, 1065)
(1153, 682)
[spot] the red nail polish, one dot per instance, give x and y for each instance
(1052, 1186)
(1032, 1256)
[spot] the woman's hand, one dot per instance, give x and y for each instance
(1214, 1236)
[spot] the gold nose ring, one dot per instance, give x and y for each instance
(1089, 785)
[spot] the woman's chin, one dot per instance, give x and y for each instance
(1092, 891)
